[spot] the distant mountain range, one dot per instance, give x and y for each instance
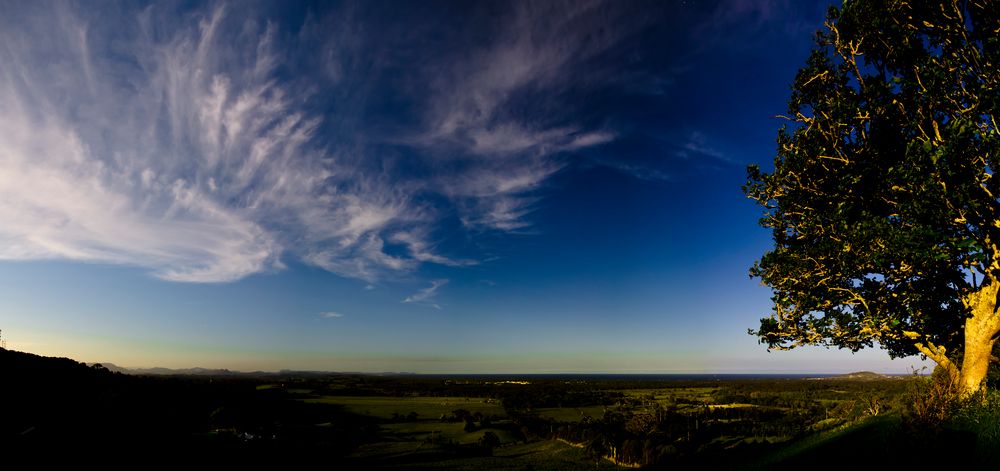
(159, 371)
(867, 376)
(172, 372)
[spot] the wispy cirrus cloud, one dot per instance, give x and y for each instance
(173, 145)
(696, 145)
(426, 296)
(94, 162)
(420, 250)
(330, 315)
(503, 102)
(185, 141)
(742, 24)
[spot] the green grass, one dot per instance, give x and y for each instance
(430, 430)
(679, 397)
(549, 455)
(855, 443)
(406, 442)
(571, 414)
(882, 442)
(429, 443)
(983, 421)
(425, 407)
(401, 440)
(423, 443)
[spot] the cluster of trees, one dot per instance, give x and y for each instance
(470, 419)
(658, 435)
(641, 432)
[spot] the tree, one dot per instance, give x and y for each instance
(883, 201)
(489, 441)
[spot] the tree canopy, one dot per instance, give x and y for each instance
(883, 202)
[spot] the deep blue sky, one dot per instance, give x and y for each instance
(395, 186)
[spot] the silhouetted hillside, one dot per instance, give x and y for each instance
(51, 404)
(197, 371)
(41, 392)
(49, 401)
(160, 371)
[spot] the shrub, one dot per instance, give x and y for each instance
(932, 401)
(982, 418)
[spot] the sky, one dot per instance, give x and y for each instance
(430, 187)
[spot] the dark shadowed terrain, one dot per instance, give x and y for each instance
(471, 422)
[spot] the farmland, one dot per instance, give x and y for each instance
(550, 423)
(482, 422)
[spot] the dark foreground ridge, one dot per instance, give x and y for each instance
(90, 413)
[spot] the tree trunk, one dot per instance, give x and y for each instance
(980, 334)
(975, 364)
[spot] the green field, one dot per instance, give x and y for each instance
(554, 424)
(571, 414)
(543, 455)
(425, 407)
(550, 455)
(429, 440)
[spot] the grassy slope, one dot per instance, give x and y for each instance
(882, 442)
(548, 455)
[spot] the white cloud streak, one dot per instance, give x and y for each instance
(471, 113)
(330, 315)
(426, 296)
(696, 145)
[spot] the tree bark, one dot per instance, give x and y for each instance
(981, 329)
